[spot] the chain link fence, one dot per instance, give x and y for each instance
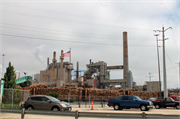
(86, 101)
(13, 98)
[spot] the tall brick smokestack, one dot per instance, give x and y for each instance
(54, 56)
(125, 57)
(62, 58)
(47, 62)
(54, 59)
(77, 75)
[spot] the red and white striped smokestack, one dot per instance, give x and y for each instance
(125, 56)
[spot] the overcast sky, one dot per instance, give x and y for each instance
(31, 30)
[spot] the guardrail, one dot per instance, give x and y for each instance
(77, 114)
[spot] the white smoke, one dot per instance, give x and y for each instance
(39, 51)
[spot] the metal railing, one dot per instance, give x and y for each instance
(77, 114)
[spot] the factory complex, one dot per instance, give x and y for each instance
(97, 75)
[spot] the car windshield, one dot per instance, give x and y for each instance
(172, 99)
(53, 99)
(138, 98)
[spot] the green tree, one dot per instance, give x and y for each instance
(10, 77)
(11, 94)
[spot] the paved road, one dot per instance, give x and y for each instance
(167, 111)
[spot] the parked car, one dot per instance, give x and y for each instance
(44, 102)
(175, 97)
(152, 99)
(167, 102)
(130, 101)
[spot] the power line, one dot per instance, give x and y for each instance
(65, 20)
(175, 40)
(69, 14)
(68, 41)
(83, 35)
(171, 62)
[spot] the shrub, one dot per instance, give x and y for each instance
(53, 94)
(71, 100)
(2, 105)
(65, 100)
(9, 106)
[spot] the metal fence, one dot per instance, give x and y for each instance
(81, 114)
(13, 98)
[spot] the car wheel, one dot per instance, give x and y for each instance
(30, 108)
(143, 107)
(55, 109)
(157, 106)
(177, 106)
(116, 107)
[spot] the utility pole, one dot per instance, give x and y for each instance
(158, 64)
(179, 75)
(70, 79)
(164, 62)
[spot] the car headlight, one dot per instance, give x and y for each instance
(64, 105)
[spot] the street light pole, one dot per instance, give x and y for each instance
(3, 66)
(158, 64)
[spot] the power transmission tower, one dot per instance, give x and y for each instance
(164, 62)
(150, 80)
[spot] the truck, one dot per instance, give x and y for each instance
(167, 102)
(175, 97)
(130, 101)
